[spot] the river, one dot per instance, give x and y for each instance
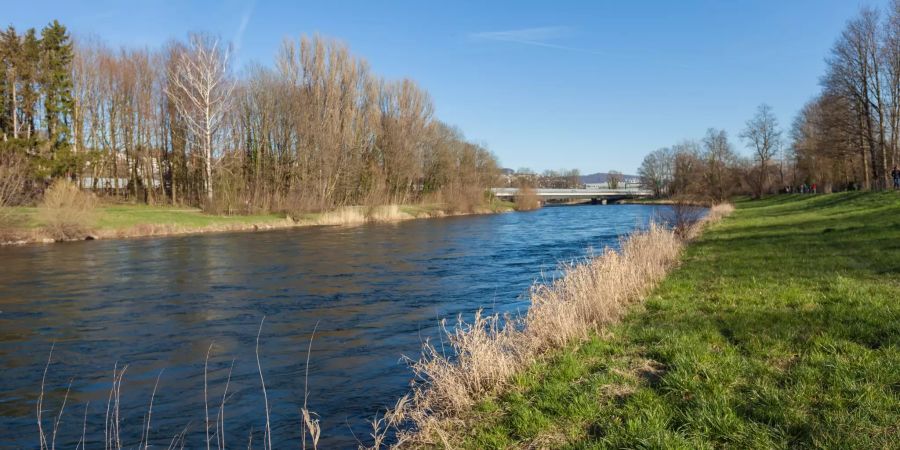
(371, 292)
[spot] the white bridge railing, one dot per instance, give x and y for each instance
(575, 193)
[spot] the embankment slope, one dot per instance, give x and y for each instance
(780, 328)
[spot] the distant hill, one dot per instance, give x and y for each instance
(602, 177)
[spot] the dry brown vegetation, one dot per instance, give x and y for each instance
(485, 353)
(681, 215)
(316, 133)
(13, 175)
(67, 212)
(214, 427)
(526, 199)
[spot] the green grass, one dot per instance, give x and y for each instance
(420, 210)
(124, 216)
(497, 205)
(781, 328)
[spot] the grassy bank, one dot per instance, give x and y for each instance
(781, 328)
(129, 220)
(124, 220)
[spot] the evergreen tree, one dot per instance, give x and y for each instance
(56, 89)
(27, 72)
(56, 81)
(10, 54)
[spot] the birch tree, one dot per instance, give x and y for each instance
(200, 88)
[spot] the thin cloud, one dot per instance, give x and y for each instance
(242, 27)
(531, 36)
(537, 37)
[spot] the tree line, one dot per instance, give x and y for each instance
(848, 135)
(845, 138)
(315, 131)
(548, 179)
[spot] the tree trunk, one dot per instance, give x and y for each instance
(208, 165)
(15, 107)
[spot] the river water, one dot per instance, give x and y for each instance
(373, 293)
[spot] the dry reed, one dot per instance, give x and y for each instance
(112, 421)
(485, 353)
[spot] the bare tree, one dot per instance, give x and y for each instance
(688, 170)
(613, 178)
(855, 72)
(657, 170)
(573, 178)
(825, 143)
(13, 176)
(318, 131)
(890, 52)
(719, 160)
(762, 135)
(200, 88)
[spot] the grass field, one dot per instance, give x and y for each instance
(117, 217)
(124, 216)
(781, 328)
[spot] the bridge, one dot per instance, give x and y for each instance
(594, 195)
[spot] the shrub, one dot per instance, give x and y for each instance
(527, 199)
(66, 211)
(13, 175)
(682, 216)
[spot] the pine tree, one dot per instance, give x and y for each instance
(27, 72)
(56, 81)
(56, 89)
(10, 54)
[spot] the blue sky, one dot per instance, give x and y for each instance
(546, 85)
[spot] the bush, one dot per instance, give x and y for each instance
(66, 211)
(682, 216)
(527, 199)
(13, 175)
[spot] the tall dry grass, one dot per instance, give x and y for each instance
(355, 215)
(117, 429)
(481, 356)
(66, 211)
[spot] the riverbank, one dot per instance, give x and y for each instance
(780, 328)
(483, 358)
(374, 291)
(120, 221)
